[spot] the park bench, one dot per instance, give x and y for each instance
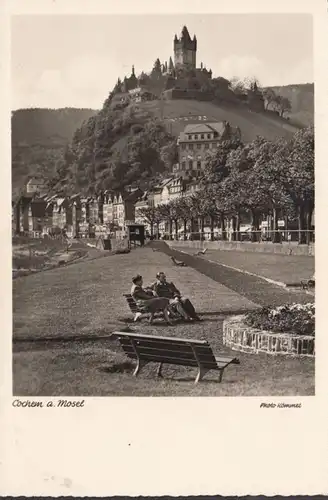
(138, 312)
(169, 350)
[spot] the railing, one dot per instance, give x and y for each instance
(281, 236)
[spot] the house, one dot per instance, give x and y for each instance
(22, 213)
(107, 208)
(39, 216)
(62, 213)
(196, 141)
(36, 186)
(124, 207)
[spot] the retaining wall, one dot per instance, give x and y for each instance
(243, 246)
(240, 337)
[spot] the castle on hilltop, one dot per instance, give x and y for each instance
(182, 74)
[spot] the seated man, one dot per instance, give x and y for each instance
(145, 298)
(167, 289)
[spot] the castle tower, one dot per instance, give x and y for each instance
(185, 50)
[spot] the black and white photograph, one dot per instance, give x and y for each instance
(163, 205)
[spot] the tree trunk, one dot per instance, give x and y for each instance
(301, 225)
(238, 227)
(176, 229)
(286, 227)
(192, 228)
(276, 238)
(212, 227)
(253, 227)
(152, 230)
(308, 225)
(234, 228)
(223, 228)
(201, 220)
(170, 228)
(185, 229)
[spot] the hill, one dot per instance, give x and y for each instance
(112, 139)
(135, 144)
(39, 138)
(47, 126)
(301, 97)
(178, 113)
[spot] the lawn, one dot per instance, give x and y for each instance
(85, 300)
(282, 268)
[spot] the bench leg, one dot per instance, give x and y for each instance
(159, 370)
(137, 316)
(220, 375)
(201, 373)
(140, 365)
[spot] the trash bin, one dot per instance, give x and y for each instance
(107, 244)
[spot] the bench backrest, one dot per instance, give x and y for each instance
(166, 349)
(131, 302)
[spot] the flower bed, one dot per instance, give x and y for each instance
(283, 330)
(297, 319)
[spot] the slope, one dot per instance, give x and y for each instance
(177, 113)
(301, 97)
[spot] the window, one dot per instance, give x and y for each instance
(190, 146)
(189, 137)
(199, 146)
(183, 158)
(183, 146)
(207, 146)
(190, 164)
(202, 136)
(208, 136)
(199, 157)
(196, 136)
(183, 165)
(199, 165)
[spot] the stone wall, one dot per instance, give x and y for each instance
(188, 94)
(243, 338)
(263, 247)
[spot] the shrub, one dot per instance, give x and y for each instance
(298, 319)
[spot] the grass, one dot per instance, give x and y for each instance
(282, 268)
(250, 123)
(30, 255)
(86, 300)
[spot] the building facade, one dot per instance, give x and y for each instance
(196, 142)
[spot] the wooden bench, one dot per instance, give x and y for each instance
(138, 312)
(166, 350)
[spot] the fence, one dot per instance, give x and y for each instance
(280, 236)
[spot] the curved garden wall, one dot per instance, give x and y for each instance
(241, 337)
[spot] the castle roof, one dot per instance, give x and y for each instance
(185, 33)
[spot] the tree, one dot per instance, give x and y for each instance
(294, 163)
(269, 97)
(150, 215)
(282, 105)
(216, 169)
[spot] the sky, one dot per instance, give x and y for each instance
(74, 61)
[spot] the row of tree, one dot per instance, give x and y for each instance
(254, 180)
(272, 101)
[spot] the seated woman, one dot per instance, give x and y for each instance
(145, 298)
(167, 289)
